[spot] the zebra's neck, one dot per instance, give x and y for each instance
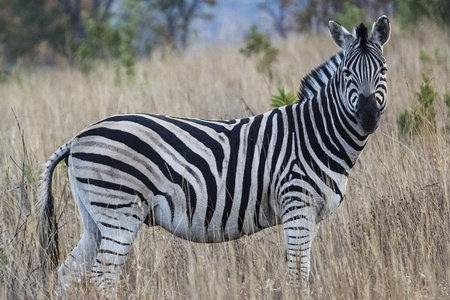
(312, 83)
(327, 126)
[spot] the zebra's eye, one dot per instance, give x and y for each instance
(383, 71)
(347, 73)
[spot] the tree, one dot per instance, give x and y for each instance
(317, 13)
(279, 11)
(73, 10)
(177, 17)
(350, 16)
(412, 11)
(25, 24)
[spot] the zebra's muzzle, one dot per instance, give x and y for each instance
(368, 113)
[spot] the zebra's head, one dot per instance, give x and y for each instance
(362, 72)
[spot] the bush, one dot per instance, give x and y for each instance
(423, 113)
(259, 44)
(447, 99)
(282, 98)
(106, 41)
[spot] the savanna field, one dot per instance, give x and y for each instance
(390, 239)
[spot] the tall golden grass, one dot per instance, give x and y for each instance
(390, 239)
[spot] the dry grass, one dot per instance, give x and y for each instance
(389, 239)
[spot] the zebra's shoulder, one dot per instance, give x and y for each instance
(319, 77)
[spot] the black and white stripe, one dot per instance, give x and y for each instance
(213, 181)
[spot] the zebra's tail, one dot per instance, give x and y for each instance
(47, 227)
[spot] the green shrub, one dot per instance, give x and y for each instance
(106, 41)
(423, 113)
(282, 98)
(85, 57)
(447, 99)
(260, 45)
(424, 57)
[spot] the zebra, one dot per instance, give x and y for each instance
(212, 181)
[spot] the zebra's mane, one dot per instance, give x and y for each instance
(317, 78)
(361, 33)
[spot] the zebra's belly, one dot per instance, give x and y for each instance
(201, 234)
(178, 223)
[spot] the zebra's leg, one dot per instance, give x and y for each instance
(81, 258)
(117, 236)
(299, 227)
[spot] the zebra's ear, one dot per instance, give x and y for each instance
(381, 31)
(340, 35)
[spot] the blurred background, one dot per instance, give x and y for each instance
(76, 32)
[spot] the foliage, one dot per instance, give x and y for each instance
(135, 29)
(79, 30)
(447, 99)
(424, 57)
(314, 15)
(410, 12)
(106, 41)
(423, 113)
(175, 19)
(143, 19)
(259, 44)
(350, 16)
(25, 24)
(282, 98)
